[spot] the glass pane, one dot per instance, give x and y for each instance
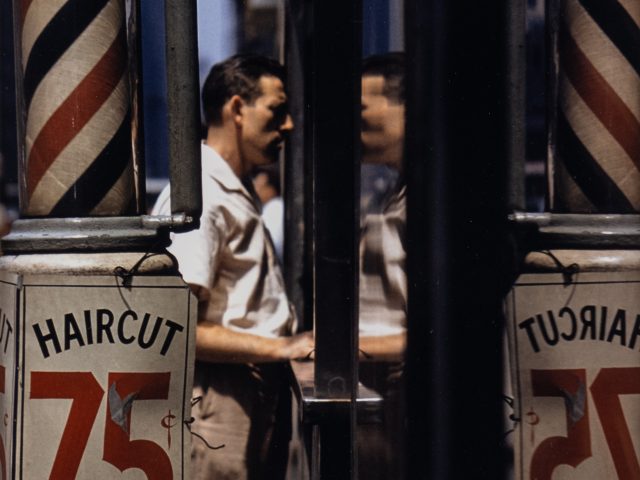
(383, 284)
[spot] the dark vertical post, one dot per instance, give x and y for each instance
(7, 98)
(137, 94)
(18, 104)
(456, 210)
(183, 106)
(297, 164)
(514, 115)
(335, 96)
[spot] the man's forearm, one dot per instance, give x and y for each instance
(215, 343)
(384, 348)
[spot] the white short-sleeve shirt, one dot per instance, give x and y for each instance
(231, 255)
(383, 278)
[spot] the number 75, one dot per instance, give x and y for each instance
(87, 395)
(576, 446)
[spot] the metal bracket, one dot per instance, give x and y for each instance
(92, 233)
(591, 231)
(315, 409)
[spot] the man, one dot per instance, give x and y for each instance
(383, 281)
(244, 317)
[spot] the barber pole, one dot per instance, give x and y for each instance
(597, 154)
(76, 96)
(97, 329)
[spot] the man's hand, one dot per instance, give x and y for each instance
(298, 346)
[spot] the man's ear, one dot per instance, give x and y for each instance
(235, 106)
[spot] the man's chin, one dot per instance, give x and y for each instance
(267, 160)
(373, 157)
(273, 154)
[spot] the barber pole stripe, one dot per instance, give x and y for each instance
(78, 135)
(598, 120)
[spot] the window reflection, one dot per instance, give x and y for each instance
(383, 282)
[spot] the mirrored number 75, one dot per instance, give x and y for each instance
(87, 395)
(573, 449)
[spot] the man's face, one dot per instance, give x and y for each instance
(266, 123)
(382, 133)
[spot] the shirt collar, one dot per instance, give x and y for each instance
(219, 170)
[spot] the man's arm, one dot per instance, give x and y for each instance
(388, 348)
(215, 343)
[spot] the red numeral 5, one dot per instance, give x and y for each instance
(123, 453)
(576, 446)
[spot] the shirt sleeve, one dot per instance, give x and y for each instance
(197, 251)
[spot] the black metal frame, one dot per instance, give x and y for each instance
(323, 56)
(458, 102)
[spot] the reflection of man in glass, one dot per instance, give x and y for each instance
(383, 282)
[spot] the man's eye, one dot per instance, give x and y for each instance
(280, 111)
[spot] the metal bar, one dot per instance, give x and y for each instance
(594, 231)
(335, 97)
(296, 165)
(552, 9)
(514, 129)
(456, 210)
(134, 30)
(19, 104)
(41, 235)
(6, 30)
(183, 107)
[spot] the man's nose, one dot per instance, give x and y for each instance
(287, 124)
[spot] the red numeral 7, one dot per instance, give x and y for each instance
(576, 446)
(86, 394)
(606, 388)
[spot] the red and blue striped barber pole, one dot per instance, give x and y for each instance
(76, 98)
(597, 157)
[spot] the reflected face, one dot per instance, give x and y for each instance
(266, 123)
(382, 133)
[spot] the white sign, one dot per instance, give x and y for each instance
(575, 352)
(8, 304)
(107, 375)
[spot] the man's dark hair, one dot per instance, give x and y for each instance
(238, 75)
(391, 66)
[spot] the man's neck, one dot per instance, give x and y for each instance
(224, 142)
